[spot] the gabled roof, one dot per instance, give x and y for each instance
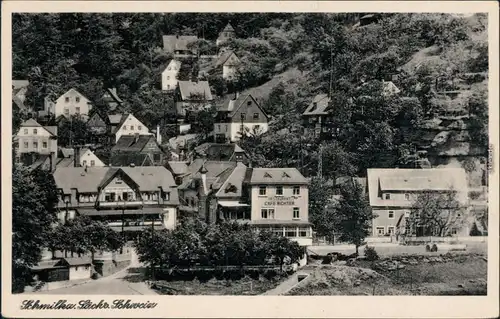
(277, 176)
(232, 106)
(67, 152)
(18, 102)
(228, 28)
(414, 180)
(218, 151)
(51, 129)
(389, 88)
(111, 95)
(129, 143)
(217, 172)
(173, 43)
(233, 185)
(318, 106)
(68, 178)
(188, 88)
(221, 60)
(115, 119)
(18, 84)
(77, 261)
(65, 162)
(178, 168)
(30, 123)
(74, 90)
(172, 62)
(128, 158)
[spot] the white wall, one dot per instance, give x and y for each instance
(131, 126)
(88, 157)
(169, 76)
(170, 217)
(70, 101)
(235, 130)
(80, 272)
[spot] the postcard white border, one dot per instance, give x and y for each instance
(261, 307)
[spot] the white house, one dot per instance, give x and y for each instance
(88, 158)
(130, 125)
(70, 103)
(169, 75)
(229, 63)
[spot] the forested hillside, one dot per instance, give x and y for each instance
(323, 52)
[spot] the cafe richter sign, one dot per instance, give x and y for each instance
(280, 201)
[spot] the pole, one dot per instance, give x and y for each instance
(123, 228)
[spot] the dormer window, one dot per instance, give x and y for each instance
(165, 196)
(267, 175)
(315, 106)
(279, 190)
(118, 180)
(285, 175)
(35, 131)
(387, 196)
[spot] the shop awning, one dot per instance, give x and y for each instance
(95, 212)
(224, 203)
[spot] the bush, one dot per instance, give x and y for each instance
(474, 231)
(371, 254)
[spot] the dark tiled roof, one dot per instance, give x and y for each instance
(115, 119)
(232, 186)
(173, 43)
(30, 123)
(221, 60)
(277, 176)
(111, 95)
(77, 261)
(318, 106)
(228, 28)
(18, 84)
(129, 143)
(232, 106)
(126, 159)
(188, 88)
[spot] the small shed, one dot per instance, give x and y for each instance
(79, 267)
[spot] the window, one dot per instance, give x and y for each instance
(86, 267)
(131, 127)
(168, 78)
(125, 196)
(226, 127)
(303, 232)
(255, 116)
(381, 231)
(391, 230)
(296, 213)
(267, 213)
(168, 86)
(77, 110)
(407, 196)
(124, 127)
(35, 144)
(166, 196)
(391, 214)
(66, 111)
(84, 163)
(262, 190)
(279, 190)
(44, 144)
(291, 232)
(25, 144)
(296, 190)
(92, 163)
(249, 103)
(25, 131)
(66, 99)
(77, 99)
(35, 131)
(118, 180)
(387, 196)
(76, 268)
(218, 128)
(139, 127)
(243, 116)
(256, 127)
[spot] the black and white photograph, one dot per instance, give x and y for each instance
(249, 154)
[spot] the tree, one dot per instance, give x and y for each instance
(354, 215)
(474, 231)
(73, 131)
(33, 214)
(321, 216)
(436, 213)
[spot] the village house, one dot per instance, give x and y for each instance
(19, 90)
(126, 149)
(84, 157)
(128, 199)
(192, 96)
(169, 75)
(242, 115)
(100, 127)
(179, 146)
(392, 193)
(220, 152)
(111, 98)
(63, 269)
(229, 63)
(36, 143)
(68, 104)
(126, 124)
(317, 116)
(266, 198)
(180, 45)
(226, 34)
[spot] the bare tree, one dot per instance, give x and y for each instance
(436, 213)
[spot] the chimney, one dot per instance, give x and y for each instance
(136, 137)
(76, 156)
(158, 134)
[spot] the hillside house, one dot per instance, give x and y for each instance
(35, 142)
(317, 116)
(111, 98)
(19, 90)
(128, 199)
(85, 157)
(70, 103)
(180, 45)
(126, 149)
(243, 115)
(192, 96)
(392, 193)
(221, 152)
(126, 124)
(229, 63)
(226, 34)
(99, 126)
(169, 75)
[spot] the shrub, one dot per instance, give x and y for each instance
(371, 254)
(474, 231)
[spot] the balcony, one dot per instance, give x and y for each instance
(119, 204)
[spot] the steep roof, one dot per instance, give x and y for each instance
(389, 88)
(277, 176)
(51, 129)
(111, 95)
(318, 106)
(178, 168)
(129, 143)
(217, 172)
(232, 186)
(228, 28)
(173, 43)
(148, 178)
(414, 180)
(221, 60)
(128, 158)
(77, 261)
(218, 151)
(232, 106)
(115, 119)
(30, 123)
(18, 102)
(67, 152)
(188, 88)
(65, 162)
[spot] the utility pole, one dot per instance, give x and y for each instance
(331, 72)
(320, 163)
